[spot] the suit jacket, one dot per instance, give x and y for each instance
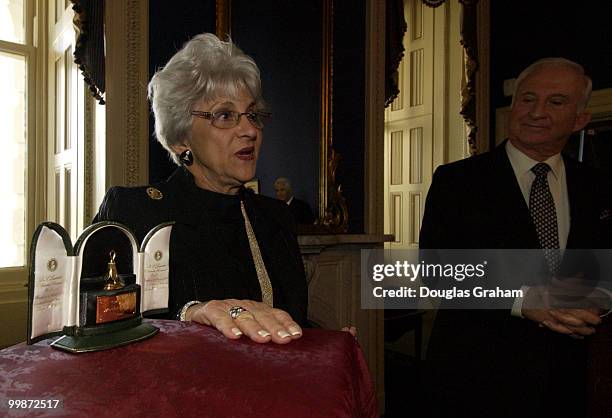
(301, 212)
(210, 256)
(488, 362)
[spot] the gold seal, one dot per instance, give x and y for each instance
(52, 264)
(154, 193)
(158, 255)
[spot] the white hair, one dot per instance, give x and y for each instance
(560, 62)
(284, 181)
(204, 69)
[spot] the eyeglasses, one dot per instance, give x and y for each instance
(227, 119)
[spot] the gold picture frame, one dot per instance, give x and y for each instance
(332, 211)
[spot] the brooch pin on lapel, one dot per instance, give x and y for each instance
(154, 193)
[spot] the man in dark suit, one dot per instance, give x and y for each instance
(300, 209)
(523, 194)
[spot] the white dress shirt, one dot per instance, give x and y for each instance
(522, 165)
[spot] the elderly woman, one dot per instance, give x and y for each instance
(234, 259)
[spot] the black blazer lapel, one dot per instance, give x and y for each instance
(584, 211)
(514, 217)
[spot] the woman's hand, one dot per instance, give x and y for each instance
(258, 321)
(351, 330)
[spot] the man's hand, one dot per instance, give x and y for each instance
(575, 322)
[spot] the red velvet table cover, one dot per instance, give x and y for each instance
(193, 370)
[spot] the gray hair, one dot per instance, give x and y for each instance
(204, 69)
(284, 181)
(561, 62)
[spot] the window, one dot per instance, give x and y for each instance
(65, 127)
(62, 114)
(49, 134)
(16, 111)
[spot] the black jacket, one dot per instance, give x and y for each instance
(477, 203)
(488, 363)
(210, 256)
(301, 212)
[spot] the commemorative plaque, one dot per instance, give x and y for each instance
(94, 295)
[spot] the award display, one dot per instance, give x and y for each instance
(94, 294)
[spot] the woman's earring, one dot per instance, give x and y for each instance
(186, 157)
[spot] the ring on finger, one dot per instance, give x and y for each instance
(239, 311)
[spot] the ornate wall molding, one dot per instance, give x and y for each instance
(134, 91)
(127, 136)
(89, 151)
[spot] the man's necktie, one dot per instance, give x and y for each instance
(544, 216)
(267, 295)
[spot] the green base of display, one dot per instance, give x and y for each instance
(84, 344)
